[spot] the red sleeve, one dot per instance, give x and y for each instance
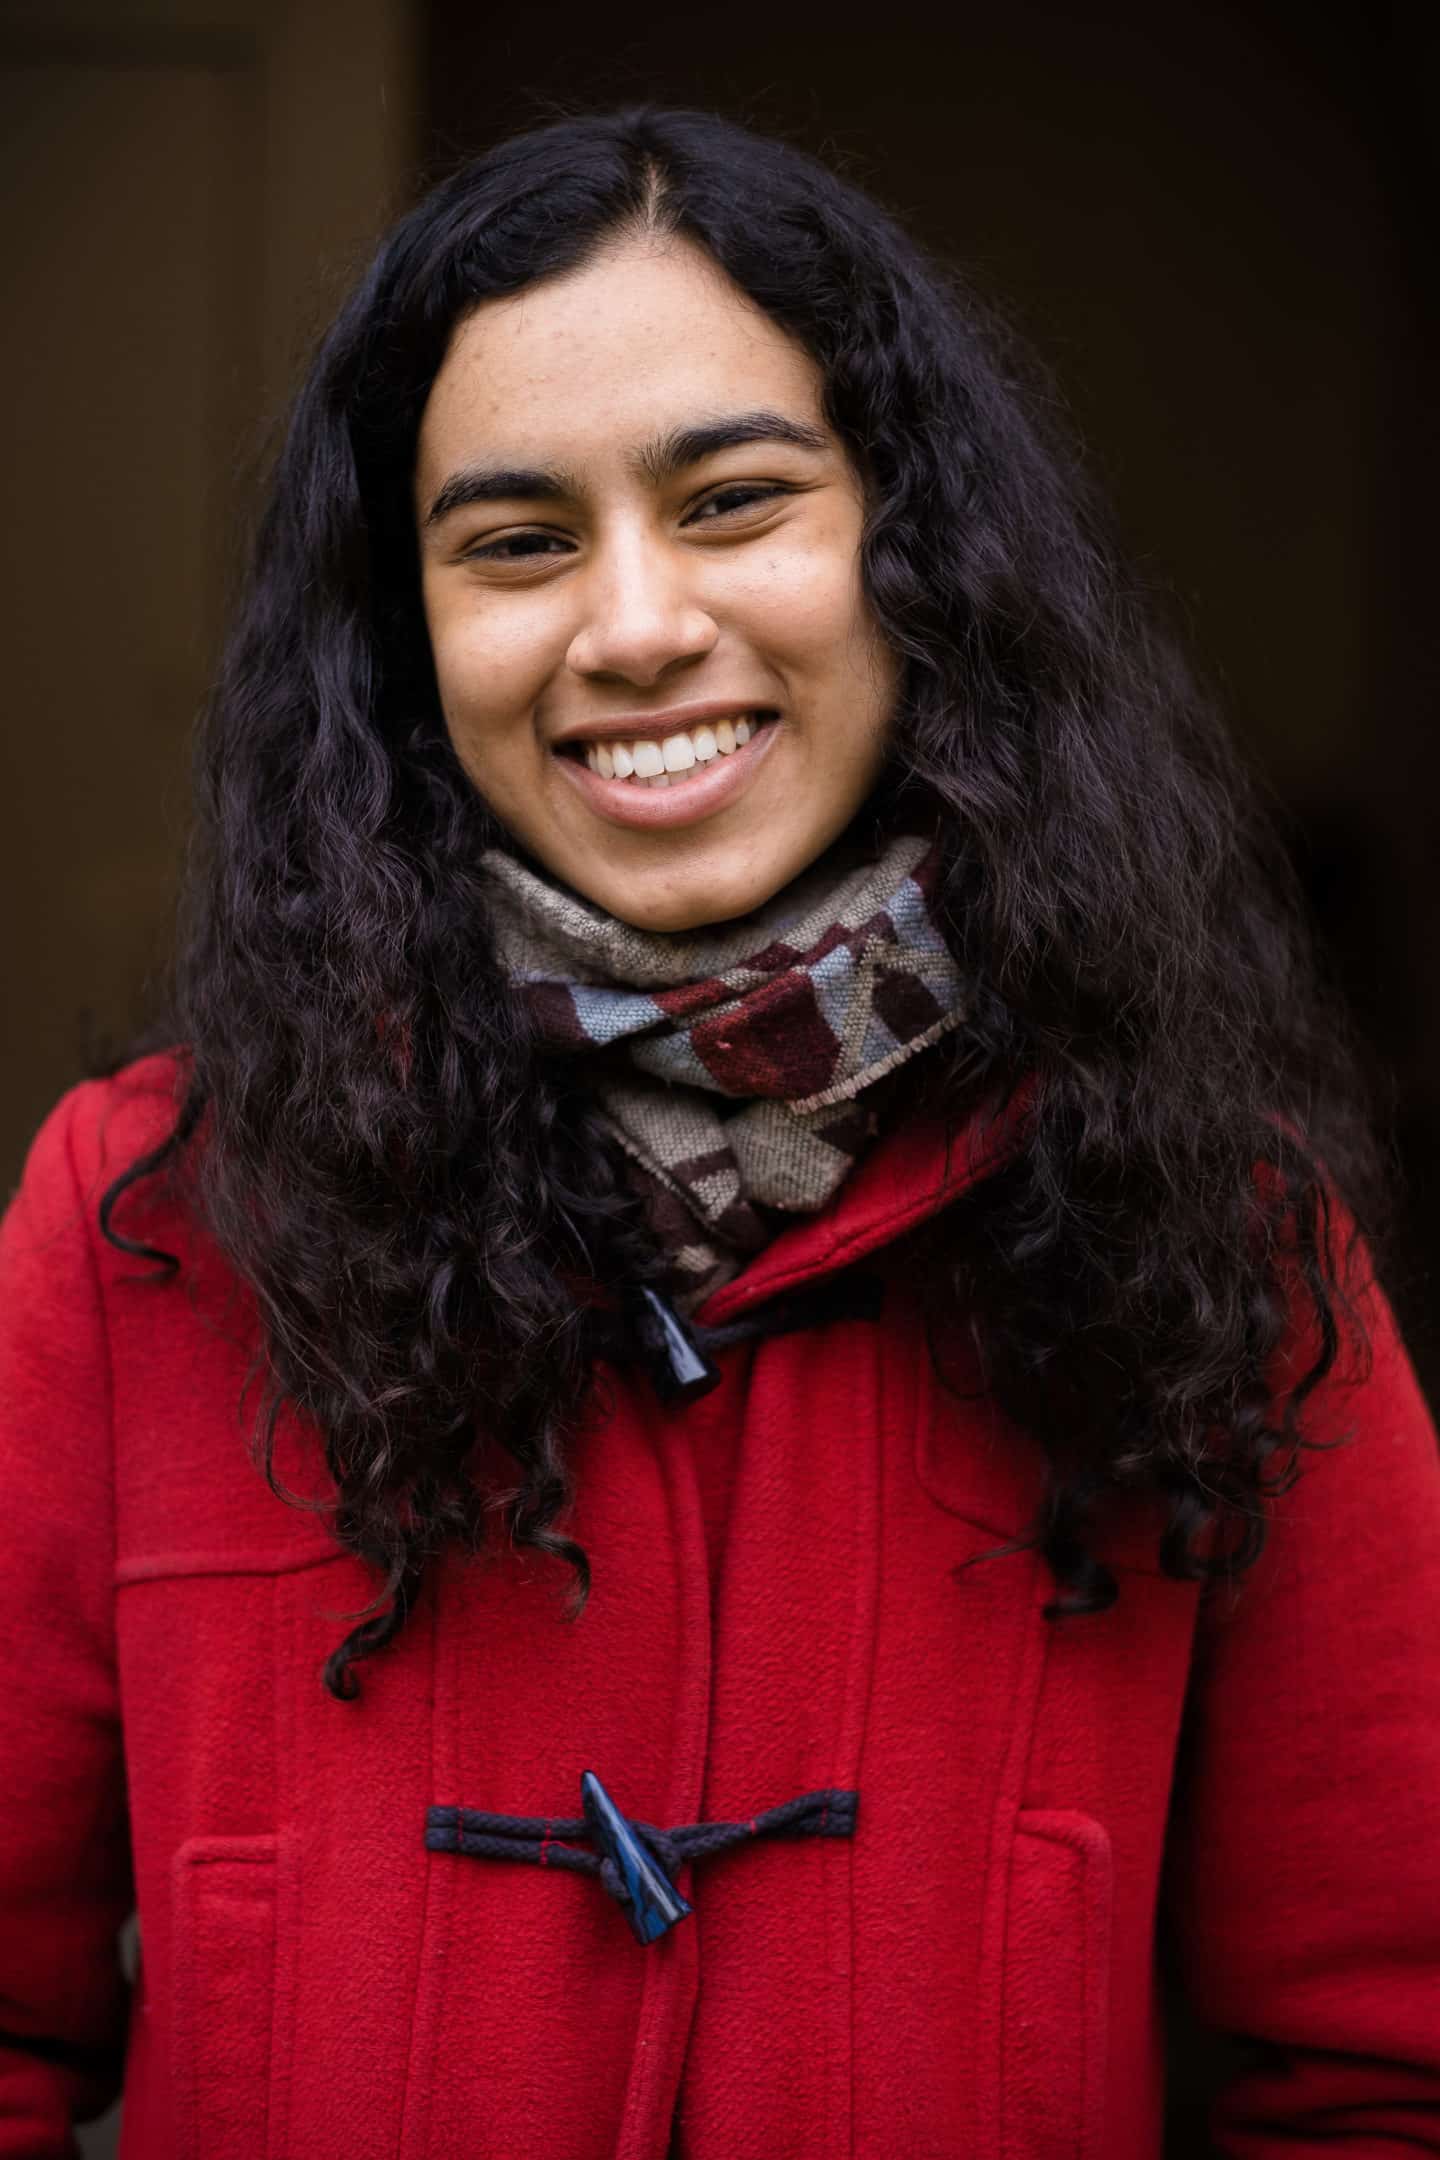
(65, 1880)
(1303, 1873)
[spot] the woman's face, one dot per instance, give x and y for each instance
(639, 549)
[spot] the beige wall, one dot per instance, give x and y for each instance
(187, 185)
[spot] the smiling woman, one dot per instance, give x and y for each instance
(636, 522)
(742, 1049)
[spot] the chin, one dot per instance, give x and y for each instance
(677, 916)
(706, 906)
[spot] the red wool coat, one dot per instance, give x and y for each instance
(1251, 1778)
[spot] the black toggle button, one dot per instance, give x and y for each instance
(678, 1367)
(630, 1871)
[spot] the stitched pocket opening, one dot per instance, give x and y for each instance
(224, 1893)
(1055, 2029)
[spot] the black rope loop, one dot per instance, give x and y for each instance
(610, 1877)
(679, 1354)
(565, 1841)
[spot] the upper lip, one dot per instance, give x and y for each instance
(675, 720)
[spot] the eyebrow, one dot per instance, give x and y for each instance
(655, 461)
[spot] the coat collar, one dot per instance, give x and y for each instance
(908, 1176)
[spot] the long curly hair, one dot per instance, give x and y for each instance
(410, 1188)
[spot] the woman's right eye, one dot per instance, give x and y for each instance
(499, 550)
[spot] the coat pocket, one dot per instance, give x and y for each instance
(225, 1896)
(1055, 2017)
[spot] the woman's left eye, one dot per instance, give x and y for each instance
(738, 497)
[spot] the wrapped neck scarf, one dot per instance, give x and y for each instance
(727, 1061)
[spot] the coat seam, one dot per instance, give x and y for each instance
(1003, 1827)
(868, 1650)
(659, 2026)
(102, 1315)
(414, 2126)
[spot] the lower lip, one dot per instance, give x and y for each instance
(698, 793)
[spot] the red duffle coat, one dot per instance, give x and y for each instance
(1253, 1779)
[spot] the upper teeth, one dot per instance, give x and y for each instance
(647, 760)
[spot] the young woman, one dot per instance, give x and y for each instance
(748, 1130)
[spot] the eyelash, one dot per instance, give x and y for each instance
(490, 550)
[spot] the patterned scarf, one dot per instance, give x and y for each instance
(728, 1060)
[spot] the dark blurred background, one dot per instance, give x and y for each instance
(1207, 218)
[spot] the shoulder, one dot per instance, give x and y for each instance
(98, 1127)
(94, 1132)
(107, 1125)
(55, 1362)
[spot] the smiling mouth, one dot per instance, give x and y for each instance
(669, 760)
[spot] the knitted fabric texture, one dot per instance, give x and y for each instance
(728, 1060)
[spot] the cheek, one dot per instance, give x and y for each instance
(809, 606)
(476, 662)
(488, 674)
(814, 622)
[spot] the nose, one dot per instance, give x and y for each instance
(641, 615)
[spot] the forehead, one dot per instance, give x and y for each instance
(586, 366)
